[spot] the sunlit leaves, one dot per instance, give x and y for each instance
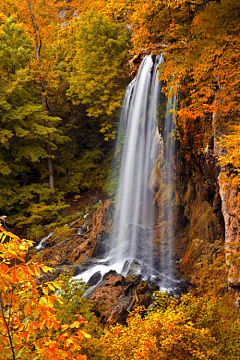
(190, 329)
(97, 76)
(29, 326)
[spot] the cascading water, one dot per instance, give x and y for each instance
(135, 215)
(166, 243)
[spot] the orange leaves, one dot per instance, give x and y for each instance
(27, 308)
(28, 322)
(165, 334)
(231, 151)
(202, 56)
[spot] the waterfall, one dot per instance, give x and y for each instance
(167, 178)
(135, 215)
(139, 145)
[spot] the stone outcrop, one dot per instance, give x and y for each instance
(115, 296)
(230, 210)
(135, 62)
(201, 211)
(76, 249)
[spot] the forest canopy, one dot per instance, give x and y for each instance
(64, 68)
(61, 88)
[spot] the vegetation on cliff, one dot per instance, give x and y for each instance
(200, 41)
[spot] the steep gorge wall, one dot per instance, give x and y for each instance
(196, 215)
(203, 208)
(230, 211)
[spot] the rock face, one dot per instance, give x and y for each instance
(76, 249)
(116, 295)
(230, 210)
(190, 207)
(201, 211)
(135, 62)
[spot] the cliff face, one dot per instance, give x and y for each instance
(203, 209)
(196, 206)
(230, 211)
(194, 209)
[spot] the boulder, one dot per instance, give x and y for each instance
(116, 295)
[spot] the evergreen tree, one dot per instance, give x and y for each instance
(23, 137)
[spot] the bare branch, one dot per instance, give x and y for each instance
(8, 331)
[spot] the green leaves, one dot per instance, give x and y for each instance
(97, 71)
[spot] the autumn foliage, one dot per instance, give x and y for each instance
(202, 53)
(194, 328)
(81, 75)
(42, 321)
(29, 327)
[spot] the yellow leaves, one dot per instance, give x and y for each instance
(51, 286)
(68, 342)
(86, 335)
(231, 149)
(75, 324)
(46, 301)
(37, 271)
(27, 308)
(45, 290)
(165, 335)
(36, 312)
(46, 269)
(3, 237)
(64, 327)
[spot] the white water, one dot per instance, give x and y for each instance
(42, 243)
(135, 214)
(134, 209)
(102, 268)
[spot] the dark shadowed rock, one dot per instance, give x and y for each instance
(94, 279)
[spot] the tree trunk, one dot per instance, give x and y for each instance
(38, 45)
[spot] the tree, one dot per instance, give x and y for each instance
(29, 327)
(23, 172)
(201, 57)
(38, 45)
(95, 70)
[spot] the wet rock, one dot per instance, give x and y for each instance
(204, 223)
(230, 209)
(79, 248)
(106, 297)
(135, 268)
(193, 253)
(83, 251)
(135, 62)
(76, 271)
(117, 280)
(110, 272)
(116, 295)
(144, 241)
(156, 153)
(94, 279)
